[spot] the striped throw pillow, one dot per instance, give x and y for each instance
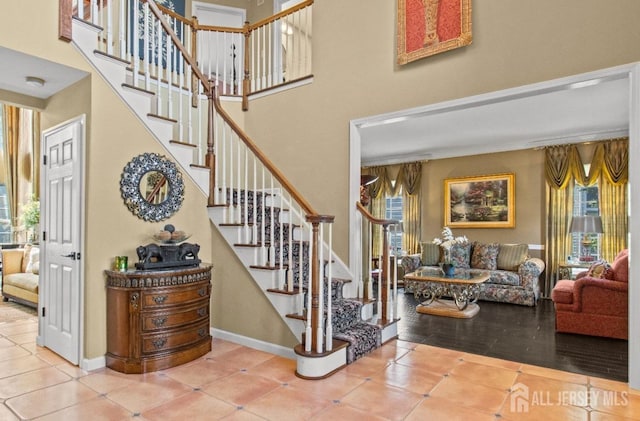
(512, 255)
(430, 255)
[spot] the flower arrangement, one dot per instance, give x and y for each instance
(447, 241)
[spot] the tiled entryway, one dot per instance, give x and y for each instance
(400, 381)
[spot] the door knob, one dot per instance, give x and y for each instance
(73, 255)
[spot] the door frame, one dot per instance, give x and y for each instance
(44, 206)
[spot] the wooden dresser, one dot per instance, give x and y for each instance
(157, 319)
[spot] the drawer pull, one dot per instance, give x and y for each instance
(202, 312)
(202, 332)
(159, 343)
(159, 321)
(202, 291)
(159, 299)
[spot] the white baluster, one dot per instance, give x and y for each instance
(320, 263)
(309, 341)
(330, 287)
(146, 44)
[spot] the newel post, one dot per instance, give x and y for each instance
(210, 158)
(385, 271)
(246, 81)
(65, 13)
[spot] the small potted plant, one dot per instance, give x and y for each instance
(31, 217)
(446, 242)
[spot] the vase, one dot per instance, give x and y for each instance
(448, 269)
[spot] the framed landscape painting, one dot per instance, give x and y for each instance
(486, 201)
(428, 27)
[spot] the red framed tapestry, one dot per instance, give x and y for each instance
(428, 27)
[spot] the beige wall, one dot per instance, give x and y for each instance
(355, 75)
(528, 169)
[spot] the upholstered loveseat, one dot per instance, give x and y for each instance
(513, 275)
(20, 269)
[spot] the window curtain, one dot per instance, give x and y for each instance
(411, 175)
(21, 148)
(408, 178)
(564, 168)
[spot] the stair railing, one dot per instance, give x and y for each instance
(387, 279)
(160, 63)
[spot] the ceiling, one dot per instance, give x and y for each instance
(578, 109)
(16, 66)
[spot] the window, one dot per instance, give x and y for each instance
(393, 210)
(5, 216)
(585, 203)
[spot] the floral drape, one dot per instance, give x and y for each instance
(391, 180)
(563, 168)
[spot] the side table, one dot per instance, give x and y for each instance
(568, 270)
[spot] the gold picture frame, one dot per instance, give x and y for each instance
(428, 27)
(486, 201)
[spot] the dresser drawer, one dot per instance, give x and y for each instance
(158, 320)
(167, 341)
(174, 295)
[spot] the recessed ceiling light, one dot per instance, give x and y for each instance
(36, 82)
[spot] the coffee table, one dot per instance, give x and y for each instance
(432, 284)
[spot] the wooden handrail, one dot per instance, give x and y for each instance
(263, 158)
(373, 219)
(281, 14)
(176, 41)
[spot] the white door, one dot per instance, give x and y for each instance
(60, 272)
(221, 56)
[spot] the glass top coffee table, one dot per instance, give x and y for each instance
(463, 288)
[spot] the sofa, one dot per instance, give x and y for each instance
(513, 274)
(20, 273)
(597, 302)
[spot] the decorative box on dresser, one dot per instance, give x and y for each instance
(157, 319)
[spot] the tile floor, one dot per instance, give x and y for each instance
(400, 381)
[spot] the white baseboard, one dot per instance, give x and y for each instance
(93, 363)
(253, 343)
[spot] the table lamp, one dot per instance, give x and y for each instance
(588, 224)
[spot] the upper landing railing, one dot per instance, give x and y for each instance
(257, 57)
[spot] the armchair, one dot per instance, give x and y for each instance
(595, 306)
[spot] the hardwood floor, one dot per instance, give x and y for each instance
(516, 333)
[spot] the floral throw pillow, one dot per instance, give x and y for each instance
(485, 256)
(460, 255)
(600, 269)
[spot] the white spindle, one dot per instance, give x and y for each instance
(109, 8)
(81, 10)
(254, 226)
(263, 248)
(181, 97)
(301, 256)
(308, 342)
(169, 61)
(146, 44)
(330, 291)
(238, 218)
(160, 49)
(252, 55)
(269, 56)
(281, 237)
(271, 223)
(379, 280)
(122, 24)
(290, 247)
(247, 227)
(320, 263)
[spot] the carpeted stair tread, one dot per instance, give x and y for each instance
(362, 337)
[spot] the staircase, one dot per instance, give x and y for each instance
(282, 242)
